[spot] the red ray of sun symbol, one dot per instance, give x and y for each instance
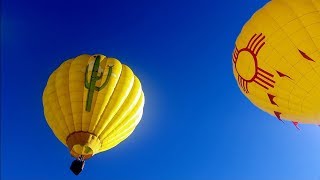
(246, 64)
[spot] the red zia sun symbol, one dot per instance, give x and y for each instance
(246, 64)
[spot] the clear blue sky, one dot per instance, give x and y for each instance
(196, 124)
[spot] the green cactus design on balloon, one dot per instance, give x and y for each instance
(91, 86)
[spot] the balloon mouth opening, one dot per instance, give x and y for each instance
(81, 150)
(83, 144)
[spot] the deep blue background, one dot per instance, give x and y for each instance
(196, 123)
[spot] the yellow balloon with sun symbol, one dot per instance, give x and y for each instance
(276, 60)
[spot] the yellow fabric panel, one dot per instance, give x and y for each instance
(130, 118)
(129, 122)
(276, 59)
(121, 132)
(53, 111)
(51, 122)
(62, 89)
(92, 97)
(76, 89)
(119, 95)
(102, 98)
(116, 140)
(130, 102)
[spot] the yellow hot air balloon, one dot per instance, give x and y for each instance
(276, 60)
(92, 103)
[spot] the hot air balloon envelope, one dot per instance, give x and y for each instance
(92, 103)
(276, 60)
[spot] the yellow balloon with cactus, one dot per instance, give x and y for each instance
(92, 103)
